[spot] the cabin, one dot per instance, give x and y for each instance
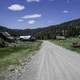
(7, 37)
(27, 38)
(60, 37)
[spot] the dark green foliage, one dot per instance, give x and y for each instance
(68, 29)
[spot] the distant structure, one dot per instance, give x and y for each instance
(27, 38)
(60, 37)
(7, 37)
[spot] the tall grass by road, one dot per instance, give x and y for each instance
(14, 55)
(67, 43)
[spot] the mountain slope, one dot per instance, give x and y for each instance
(68, 29)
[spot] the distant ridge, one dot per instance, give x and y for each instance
(70, 28)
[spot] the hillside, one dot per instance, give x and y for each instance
(70, 28)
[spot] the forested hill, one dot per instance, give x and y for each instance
(68, 29)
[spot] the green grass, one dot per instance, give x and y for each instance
(67, 43)
(14, 55)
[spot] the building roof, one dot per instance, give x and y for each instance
(6, 34)
(25, 37)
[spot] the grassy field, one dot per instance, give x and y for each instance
(15, 54)
(68, 43)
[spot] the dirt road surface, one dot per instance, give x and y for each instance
(53, 63)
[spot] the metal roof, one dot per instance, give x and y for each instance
(25, 37)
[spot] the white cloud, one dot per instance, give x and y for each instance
(31, 21)
(33, 0)
(65, 11)
(20, 20)
(32, 16)
(16, 7)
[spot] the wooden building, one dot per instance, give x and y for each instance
(7, 37)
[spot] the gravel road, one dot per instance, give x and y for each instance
(53, 63)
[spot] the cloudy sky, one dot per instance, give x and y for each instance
(21, 14)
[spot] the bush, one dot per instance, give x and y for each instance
(3, 43)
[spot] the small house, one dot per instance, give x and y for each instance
(27, 38)
(60, 37)
(7, 37)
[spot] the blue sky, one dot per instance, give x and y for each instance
(22, 14)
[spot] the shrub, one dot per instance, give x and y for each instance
(3, 43)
